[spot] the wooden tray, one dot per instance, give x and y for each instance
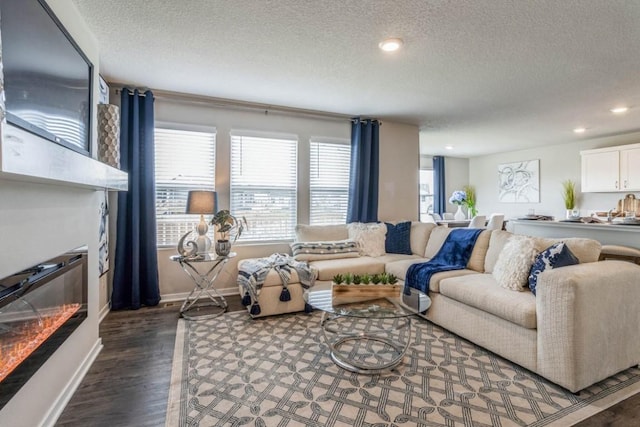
(366, 291)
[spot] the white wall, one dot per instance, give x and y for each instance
(557, 163)
(37, 222)
(398, 189)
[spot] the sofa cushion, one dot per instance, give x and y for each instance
(555, 256)
(329, 268)
(498, 239)
(586, 250)
(398, 238)
(399, 269)
(311, 251)
(481, 291)
(321, 233)
(389, 258)
(420, 232)
(436, 239)
(476, 261)
(369, 236)
(514, 263)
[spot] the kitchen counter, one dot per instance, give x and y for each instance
(606, 233)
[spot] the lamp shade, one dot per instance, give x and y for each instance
(202, 202)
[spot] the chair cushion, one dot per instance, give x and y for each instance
(436, 240)
(398, 238)
(420, 232)
(514, 263)
(556, 256)
(481, 291)
(369, 236)
(321, 233)
(311, 251)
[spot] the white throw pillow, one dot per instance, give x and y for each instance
(369, 236)
(514, 263)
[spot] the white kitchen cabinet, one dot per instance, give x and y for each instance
(611, 169)
(630, 169)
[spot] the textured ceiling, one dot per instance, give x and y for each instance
(482, 75)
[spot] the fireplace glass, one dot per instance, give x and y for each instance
(39, 308)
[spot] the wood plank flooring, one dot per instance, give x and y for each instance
(128, 385)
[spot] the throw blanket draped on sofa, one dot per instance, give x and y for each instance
(253, 274)
(453, 255)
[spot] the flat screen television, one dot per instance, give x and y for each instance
(47, 77)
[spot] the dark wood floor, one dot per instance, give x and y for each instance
(128, 385)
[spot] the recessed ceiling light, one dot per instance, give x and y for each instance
(580, 130)
(390, 45)
(449, 147)
(619, 110)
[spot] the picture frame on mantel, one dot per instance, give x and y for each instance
(519, 182)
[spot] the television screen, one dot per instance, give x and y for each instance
(47, 78)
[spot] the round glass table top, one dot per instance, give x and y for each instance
(322, 298)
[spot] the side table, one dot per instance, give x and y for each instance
(203, 286)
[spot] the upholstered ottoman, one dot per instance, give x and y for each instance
(272, 297)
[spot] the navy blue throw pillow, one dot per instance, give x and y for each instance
(557, 255)
(398, 240)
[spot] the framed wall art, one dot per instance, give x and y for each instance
(519, 182)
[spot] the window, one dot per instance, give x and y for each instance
(185, 161)
(264, 185)
(426, 194)
(329, 182)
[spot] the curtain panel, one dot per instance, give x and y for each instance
(364, 172)
(135, 281)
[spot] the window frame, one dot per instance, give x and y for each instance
(326, 140)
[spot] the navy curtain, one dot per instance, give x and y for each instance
(135, 279)
(439, 196)
(363, 176)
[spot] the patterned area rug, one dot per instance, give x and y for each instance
(276, 371)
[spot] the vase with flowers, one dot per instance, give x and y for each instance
(470, 191)
(458, 198)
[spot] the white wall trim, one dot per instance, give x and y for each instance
(104, 311)
(63, 398)
(181, 296)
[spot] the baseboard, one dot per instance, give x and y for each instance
(103, 312)
(63, 399)
(181, 296)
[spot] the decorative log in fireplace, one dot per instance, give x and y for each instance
(39, 309)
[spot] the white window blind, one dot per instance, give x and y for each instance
(185, 160)
(329, 182)
(264, 186)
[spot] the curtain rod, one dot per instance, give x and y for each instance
(234, 104)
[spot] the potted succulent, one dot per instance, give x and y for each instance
(228, 229)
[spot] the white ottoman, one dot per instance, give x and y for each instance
(271, 291)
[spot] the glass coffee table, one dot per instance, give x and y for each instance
(370, 336)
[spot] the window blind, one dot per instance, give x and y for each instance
(264, 186)
(329, 166)
(185, 160)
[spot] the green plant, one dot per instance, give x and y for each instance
(471, 199)
(375, 279)
(366, 278)
(384, 278)
(393, 279)
(357, 279)
(569, 194)
(227, 226)
(348, 278)
(338, 279)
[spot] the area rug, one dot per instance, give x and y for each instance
(276, 371)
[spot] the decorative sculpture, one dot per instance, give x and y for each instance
(192, 246)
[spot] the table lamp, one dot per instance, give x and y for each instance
(202, 202)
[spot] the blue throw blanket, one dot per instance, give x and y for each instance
(453, 255)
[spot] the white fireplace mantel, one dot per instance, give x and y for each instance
(26, 157)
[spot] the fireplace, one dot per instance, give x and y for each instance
(39, 309)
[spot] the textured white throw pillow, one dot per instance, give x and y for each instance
(514, 263)
(369, 236)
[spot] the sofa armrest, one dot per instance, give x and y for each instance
(588, 320)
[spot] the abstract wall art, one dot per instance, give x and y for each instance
(519, 182)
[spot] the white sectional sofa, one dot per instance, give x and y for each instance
(581, 327)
